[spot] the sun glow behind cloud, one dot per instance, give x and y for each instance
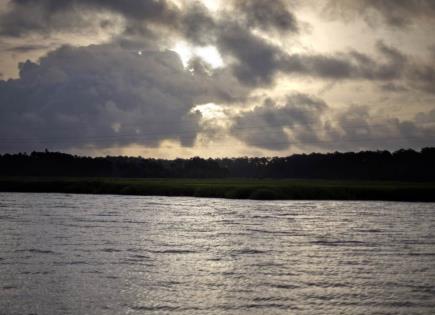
(209, 54)
(212, 5)
(210, 111)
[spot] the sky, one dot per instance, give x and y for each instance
(216, 78)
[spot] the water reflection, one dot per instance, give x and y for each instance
(73, 254)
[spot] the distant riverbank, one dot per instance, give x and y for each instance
(261, 189)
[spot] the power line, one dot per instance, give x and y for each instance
(290, 124)
(158, 135)
(266, 144)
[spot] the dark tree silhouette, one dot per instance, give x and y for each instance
(366, 165)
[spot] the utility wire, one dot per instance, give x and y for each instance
(158, 135)
(266, 144)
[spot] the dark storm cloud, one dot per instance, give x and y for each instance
(27, 48)
(253, 60)
(265, 126)
(425, 118)
(25, 16)
(397, 13)
(46, 16)
(267, 15)
(349, 66)
(104, 95)
(257, 61)
(356, 128)
(422, 77)
(42, 17)
(299, 123)
(159, 11)
(198, 25)
(393, 87)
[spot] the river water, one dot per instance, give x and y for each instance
(85, 254)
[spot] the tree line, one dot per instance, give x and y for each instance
(403, 164)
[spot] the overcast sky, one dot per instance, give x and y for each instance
(180, 78)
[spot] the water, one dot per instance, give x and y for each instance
(82, 254)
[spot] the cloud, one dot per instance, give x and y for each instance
(267, 15)
(268, 126)
(306, 122)
(396, 13)
(422, 77)
(253, 60)
(94, 95)
(25, 48)
(352, 65)
(256, 61)
(197, 25)
(392, 70)
(425, 118)
(356, 128)
(42, 17)
(47, 16)
(105, 95)
(150, 22)
(393, 87)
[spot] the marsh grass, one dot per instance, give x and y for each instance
(259, 189)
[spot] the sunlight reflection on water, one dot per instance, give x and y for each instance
(84, 254)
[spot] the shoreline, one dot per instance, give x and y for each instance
(254, 189)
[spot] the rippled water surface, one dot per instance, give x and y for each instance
(83, 254)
